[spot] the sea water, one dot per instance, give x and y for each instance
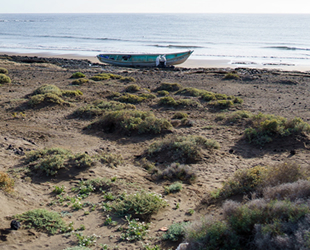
(240, 38)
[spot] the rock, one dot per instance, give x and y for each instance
(15, 225)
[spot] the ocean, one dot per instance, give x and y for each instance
(241, 38)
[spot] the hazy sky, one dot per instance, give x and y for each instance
(159, 6)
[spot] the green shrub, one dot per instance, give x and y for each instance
(43, 220)
(231, 75)
(127, 79)
(182, 148)
(77, 75)
(180, 115)
(48, 89)
(106, 76)
(169, 87)
(97, 184)
(99, 107)
(142, 204)
(4, 79)
(51, 94)
(80, 81)
(175, 232)
(86, 240)
(220, 96)
(111, 160)
(173, 188)
(282, 173)
(222, 104)
(237, 100)
(148, 96)
(48, 98)
(49, 161)
(266, 127)
(178, 171)
(82, 160)
(162, 92)
(130, 98)
(71, 93)
(208, 96)
(101, 77)
(77, 248)
(133, 88)
(191, 92)
(4, 71)
(170, 101)
(239, 115)
(132, 121)
(188, 103)
(242, 218)
(135, 230)
(243, 181)
(257, 178)
(209, 234)
(6, 183)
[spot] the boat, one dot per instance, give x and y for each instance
(145, 60)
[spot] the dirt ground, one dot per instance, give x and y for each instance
(24, 129)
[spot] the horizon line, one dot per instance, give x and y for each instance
(249, 13)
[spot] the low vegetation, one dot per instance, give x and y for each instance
(100, 107)
(258, 178)
(175, 232)
(134, 99)
(6, 182)
(180, 115)
(4, 79)
(264, 128)
(231, 76)
(176, 171)
(51, 94)
(170, 101)
(141, 204)
(77, 75)
(80, 81)
(273, 219)
(169, 87)
(50, 161)
(4, 71)
(43, 221)
(186, 149)
(106, 76)
(133, 88)
(173, 188)
(129, 121)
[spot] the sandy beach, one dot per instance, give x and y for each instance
(28, 125)
(190, 63)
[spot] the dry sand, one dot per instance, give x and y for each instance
(284, 93)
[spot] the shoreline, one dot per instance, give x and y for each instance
(189, 63)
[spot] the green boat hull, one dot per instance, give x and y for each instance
(143, 60)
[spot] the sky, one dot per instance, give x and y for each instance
(154, 6)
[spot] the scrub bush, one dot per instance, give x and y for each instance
(131, 121)
(141, 204)
(77, 75)
(4, 71)
(169, 87)
(4, 79)
(99, 107)
(182, 148)
(264, 128)
(42, 220)
(6, 183)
